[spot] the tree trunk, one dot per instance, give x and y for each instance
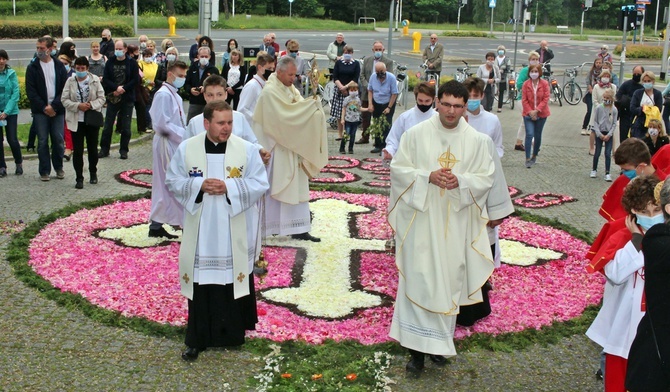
(169, 5)
(225, 8)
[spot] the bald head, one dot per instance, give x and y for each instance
(380, 67)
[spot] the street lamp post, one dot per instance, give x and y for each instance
(290, 8)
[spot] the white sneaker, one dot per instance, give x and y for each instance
(608, 178)
(593, 174)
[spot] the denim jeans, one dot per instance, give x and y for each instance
(608, 153)
(350, 128)
(12, 140)
(125, 111)
(533, 131)
(90, 135)
(49, 127)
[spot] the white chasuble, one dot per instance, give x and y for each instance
(442, 248)
(220, 240)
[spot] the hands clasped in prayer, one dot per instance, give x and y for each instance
(443, 178)
(214, 187)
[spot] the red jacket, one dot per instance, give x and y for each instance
(528, 98)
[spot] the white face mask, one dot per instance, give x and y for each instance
(353, 93)
(179, 83)
(605, 80)
(534, 75)
(534, 62)
(148, 60)
(204, 61)
(171, 57)
(653, 132)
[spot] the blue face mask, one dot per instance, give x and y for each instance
(293, 54)
(646, 222)
(67, 68)
(81, 75)
(118, 53)
(629, 173)
(473, 104)
(378, 55)
(54, 52)
(648, 86)
(346, 57)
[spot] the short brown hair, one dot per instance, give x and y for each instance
(632, 151)
(425, 88)
(474, 84)
(177, 64)
(264, 59)
(215, 106)
(214, 80)
(639, 193)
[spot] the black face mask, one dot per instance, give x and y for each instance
(267, 74)
(636, 78)
(381, 75)
(424, 108)
(104, 39)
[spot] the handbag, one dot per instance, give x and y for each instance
(92, 118)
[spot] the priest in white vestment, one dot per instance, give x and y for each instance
(265, 65)
(218, 178)
(293, 129)
(441, 176)
(169, 120)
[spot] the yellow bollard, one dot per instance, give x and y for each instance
(416, 36)
(405, 28)
(172, 22)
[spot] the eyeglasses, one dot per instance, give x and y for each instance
(449, 106)
(293, 51)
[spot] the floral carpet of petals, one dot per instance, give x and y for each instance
(141, 279)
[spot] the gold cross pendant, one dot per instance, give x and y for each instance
(447, 161)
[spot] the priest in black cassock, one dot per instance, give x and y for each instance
(218, 178)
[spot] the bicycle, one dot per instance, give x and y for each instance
(511, 89)
(556, 93)
(462, 73)
(430, 77)
(572, 92)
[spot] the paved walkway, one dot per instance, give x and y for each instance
(47, 347)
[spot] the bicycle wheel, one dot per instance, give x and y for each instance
(572, 93)
(511, 97)
(557, 93)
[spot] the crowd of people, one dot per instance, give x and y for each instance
(249, 135)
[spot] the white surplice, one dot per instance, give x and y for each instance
(615, 326)
(168, 119)
(404, 122)
(241, 127)
(499, 204)
(210, 257)
(249, 97)
(442, 249)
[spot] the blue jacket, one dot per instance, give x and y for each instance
(132, 78)
(9, 100)
(36, 87)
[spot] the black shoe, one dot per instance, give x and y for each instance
(190, 354)
(80, 184)
(362, 141)
(19, 170)
(103, 153)
(342, 152)
(376, 150)
(439, 360)
(67, 157)
(93, 180)
(162, 233)
(415, 365)
(599, 374)
(351, 151)
(305, 237)
(123, 155)
(3, 172)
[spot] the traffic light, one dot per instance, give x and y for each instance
(630, 12)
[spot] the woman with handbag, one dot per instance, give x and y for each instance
(83, 98)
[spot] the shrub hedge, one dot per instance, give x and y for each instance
(34, 29)
(636, 51)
